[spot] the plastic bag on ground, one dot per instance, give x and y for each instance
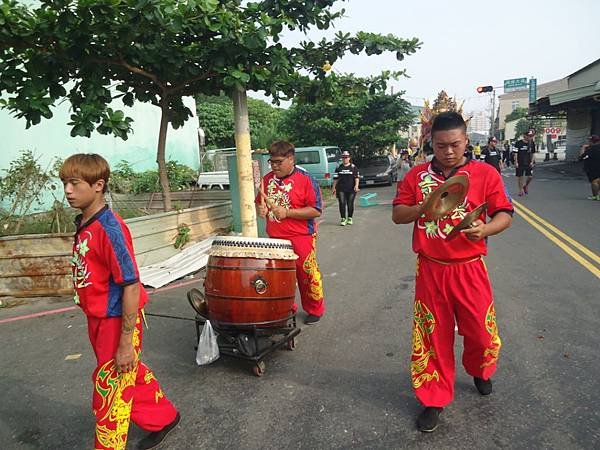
(208, 350)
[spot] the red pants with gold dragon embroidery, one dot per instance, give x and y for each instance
(117, 398)
(445, 295)
(310, 282)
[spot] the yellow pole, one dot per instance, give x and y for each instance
(244, 163)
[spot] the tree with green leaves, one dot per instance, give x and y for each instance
(524, 125)
(356, 115)
(21, 188)
(91, 52)
(517, 113)
(215, 114)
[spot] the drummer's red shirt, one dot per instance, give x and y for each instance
(485, 185)
(103, 263)
(298, 190)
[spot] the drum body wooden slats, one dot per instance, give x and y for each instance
(249, 290)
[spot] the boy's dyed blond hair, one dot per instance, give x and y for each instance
(90, 167)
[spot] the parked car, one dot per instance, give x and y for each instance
(213, 180)
(378, 170)
(320, 162)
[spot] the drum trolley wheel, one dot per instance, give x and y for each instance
(252, 341)
(248, 341)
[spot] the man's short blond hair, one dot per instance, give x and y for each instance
(90, 167)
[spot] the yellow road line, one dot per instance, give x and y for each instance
(568, 250)
(593, 256)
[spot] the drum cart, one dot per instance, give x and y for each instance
(247, 341)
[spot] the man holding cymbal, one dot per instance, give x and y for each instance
(452, 283)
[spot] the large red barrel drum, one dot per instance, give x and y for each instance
(250, 281)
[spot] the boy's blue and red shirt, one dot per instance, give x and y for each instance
(103, 264)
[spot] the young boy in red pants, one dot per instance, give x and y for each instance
(452, 284)
(296, 202)
(107, 288)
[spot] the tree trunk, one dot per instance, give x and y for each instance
(244, 163)
(160, 153)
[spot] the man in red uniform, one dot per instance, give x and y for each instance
(107, 288)
(452, 284)
(295, 199)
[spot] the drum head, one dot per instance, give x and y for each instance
(252, 247)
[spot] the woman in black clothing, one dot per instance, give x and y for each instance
(345, 186)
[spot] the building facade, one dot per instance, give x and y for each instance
(580, 101)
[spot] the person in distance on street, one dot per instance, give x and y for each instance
(404, 164)
(524, 162)
(452, 285)
(108, 290)
(506, 155)
(292, 206)
(491, 154)
(590, 155)
(477, 151)
(345, 187)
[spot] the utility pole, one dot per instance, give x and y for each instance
(493, 127)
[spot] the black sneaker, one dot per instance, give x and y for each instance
(311, 319)
(155, 438)
(428, 419)
(483, 386)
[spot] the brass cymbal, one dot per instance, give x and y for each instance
(447, 197)
(471, 217)
(197, 301)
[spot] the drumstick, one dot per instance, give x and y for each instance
(267, 200)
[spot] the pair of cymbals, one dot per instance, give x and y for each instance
(445, 198)
(467, 221)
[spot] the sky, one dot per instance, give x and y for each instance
(469, 43)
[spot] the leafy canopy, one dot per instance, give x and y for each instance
(216, 118)
(517, 113)
(91, 52)
(356, 115)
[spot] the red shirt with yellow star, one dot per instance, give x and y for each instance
(298, 190)
(485, 185)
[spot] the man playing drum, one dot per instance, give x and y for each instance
(293, 202)
(452, 284)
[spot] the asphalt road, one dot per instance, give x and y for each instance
(347, 383)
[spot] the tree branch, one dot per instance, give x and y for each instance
(200, 77)
(121, 62)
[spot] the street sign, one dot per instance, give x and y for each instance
(515, 84)
(532, 90)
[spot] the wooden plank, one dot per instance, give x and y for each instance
(34, 245)
(40, 265)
